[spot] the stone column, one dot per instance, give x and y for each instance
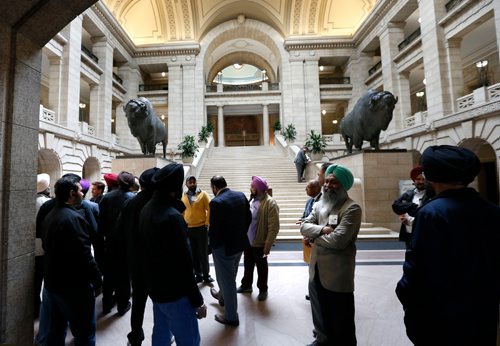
(220, 125)
(175, 121)
(94, 104)
(390, 37)
(20, 68)
(265, 123)
(70, 81)
(455, 72)
(55, 71)
(312, 96)
(131, 79)
(192, 120)
(357, 69)
(404, 102)
(435, 59)
(102, 119)
(298, 102)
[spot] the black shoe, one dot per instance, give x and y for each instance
(217, 296)
(262, 296)
(208, 280)
(242, 289)
(123, 310)
(107, 305)
(222, 319)
(199, 279)
(307, 297)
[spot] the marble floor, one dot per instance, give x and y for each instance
(285, 317)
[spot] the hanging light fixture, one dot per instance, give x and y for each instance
(237, 66)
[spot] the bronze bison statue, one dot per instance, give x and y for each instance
(370, 115)
(145, 125)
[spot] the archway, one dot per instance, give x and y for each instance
(91, 169)
(486, 182)
(48, 162)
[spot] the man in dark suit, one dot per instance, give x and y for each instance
(229, 220)
(451, 283)
(301, 161)
(72, 279)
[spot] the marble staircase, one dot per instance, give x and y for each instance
(238, 164)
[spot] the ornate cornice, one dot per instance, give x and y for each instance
(373, 20)
(315, 44)
(192, 49)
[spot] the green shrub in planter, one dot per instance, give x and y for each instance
(188, 146)
(316, 142)
(203, 134)
(290, 133)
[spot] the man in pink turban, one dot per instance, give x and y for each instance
(261, 234)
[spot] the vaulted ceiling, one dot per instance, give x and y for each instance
(150, 22)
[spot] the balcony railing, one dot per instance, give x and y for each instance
(242, 88)
(152, 87)
(375, 68)
(273, 86)
(90, 54)
(335, 80)
(450, 5)
(211, 88)
(117, 78)
(47, 115)
(413, 36)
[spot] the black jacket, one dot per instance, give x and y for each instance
(168, 264)
(230, 217)
(68, 261)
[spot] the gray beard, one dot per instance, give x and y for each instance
(330, 200)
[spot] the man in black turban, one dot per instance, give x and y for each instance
(177, 301)
(450, 285)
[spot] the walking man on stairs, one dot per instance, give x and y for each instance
(301, 160)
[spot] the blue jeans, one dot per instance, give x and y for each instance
(58, 309)
(177, 318)
(226, 269)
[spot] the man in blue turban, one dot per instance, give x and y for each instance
(332, 228)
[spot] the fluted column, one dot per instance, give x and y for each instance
(220, 126)
(265, 121)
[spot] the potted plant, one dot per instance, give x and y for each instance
(277, 127)
(203, 134)
(317, 144)
(210, 127)
(188, 148)
(290, 133)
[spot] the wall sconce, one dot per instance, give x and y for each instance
(219, 77)
(237, 66)
(321, 68)
(335, 121)
(482, 70)
(162, 117)
(264, 77)
(82, 105)
(323, 111)
(112, 120)
(163, 74)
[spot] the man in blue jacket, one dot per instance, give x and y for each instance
(229, 220)
(451, 283)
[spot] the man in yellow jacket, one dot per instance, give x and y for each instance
(262, 232)
(197, 215)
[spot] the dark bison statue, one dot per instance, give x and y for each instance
(145, 125)
(370, 115)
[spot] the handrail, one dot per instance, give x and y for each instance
(151, 87)
(375, 68)
(335, 80)
(412, 37)
(90, 54)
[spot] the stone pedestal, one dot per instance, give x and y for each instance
(377, 175)
(137, 164)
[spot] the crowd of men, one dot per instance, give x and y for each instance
(141, 240)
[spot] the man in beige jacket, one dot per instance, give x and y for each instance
(333, 227)
(262, 232)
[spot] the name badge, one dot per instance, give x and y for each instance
(333, 219)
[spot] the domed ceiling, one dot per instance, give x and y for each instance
(153, 22)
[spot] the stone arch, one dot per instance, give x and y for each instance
(91, 169)
(243, 35)
(486, 183)
(50, 163)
